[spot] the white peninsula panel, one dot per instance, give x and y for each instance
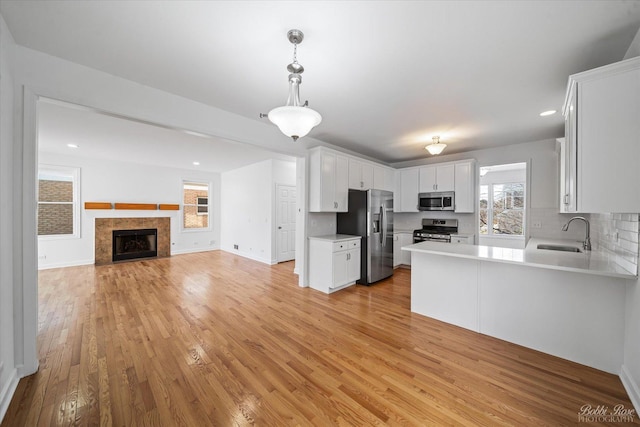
(568, 306)
(579, 317)
(445, 292)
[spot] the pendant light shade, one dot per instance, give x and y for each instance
(436, 147)
(295, 122)
(295, 119)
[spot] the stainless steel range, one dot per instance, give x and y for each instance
(436, 230)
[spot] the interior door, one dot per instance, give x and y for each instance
(286, 222)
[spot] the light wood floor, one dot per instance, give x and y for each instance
(215, 339)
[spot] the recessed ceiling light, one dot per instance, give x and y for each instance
(72, 145)
(548, 113)
(196, 163)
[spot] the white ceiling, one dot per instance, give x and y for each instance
(385, 75)
(107, 137)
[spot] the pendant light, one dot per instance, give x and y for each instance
(295, 119)
(436, 147)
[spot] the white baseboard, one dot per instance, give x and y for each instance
(8, 389)
(632, 388)
(66, 264)
(194, 250)
(252, 257)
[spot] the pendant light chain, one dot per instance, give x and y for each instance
(295, 53)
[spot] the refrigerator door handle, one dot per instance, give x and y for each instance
(383, 225)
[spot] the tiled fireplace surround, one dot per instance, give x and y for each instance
(105, 226)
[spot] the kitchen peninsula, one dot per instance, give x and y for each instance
(570, 305)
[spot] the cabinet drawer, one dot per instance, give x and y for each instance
(346, 244)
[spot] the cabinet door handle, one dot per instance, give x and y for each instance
(348, 256)
(566, 199)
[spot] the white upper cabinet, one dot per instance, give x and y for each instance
(389, 179)
(360, 175)
(437, 178)
(328, 181)
(603, 139)
(332, 174)
(364, 176)
(465, 197)
(379, 182)
(406, 195)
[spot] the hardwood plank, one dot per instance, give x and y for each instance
(215, 339)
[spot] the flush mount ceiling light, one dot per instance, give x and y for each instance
(548, 113)
(294, 119)
(436, 147)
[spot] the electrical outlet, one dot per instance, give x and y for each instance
(235, 246)
(41, 257)
(212, 242)
(536, 224)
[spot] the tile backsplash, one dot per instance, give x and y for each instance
(617, 235)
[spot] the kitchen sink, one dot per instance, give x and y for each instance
(559, 248)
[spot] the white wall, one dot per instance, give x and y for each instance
(248, 208)
(111, 181)
(8, 372)
(634, 47)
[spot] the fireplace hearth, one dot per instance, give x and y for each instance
(134, 244)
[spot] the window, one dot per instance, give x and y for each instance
(195, 200)
(58, 201)
(502, 209)
(202, 204)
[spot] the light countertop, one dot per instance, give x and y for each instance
(593, 262)
(335, 237)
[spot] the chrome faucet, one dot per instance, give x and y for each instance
(586, 245)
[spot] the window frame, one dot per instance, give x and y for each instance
(184, 183)
(67, 171)
(490, 203)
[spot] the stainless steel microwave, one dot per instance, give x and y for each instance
(444, 201)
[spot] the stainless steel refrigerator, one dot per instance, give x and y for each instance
(370, 216)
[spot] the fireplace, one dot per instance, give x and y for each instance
(134, 244)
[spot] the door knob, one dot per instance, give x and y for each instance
(279, 228)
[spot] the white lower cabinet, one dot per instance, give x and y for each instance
(334, 262)
(401, 257)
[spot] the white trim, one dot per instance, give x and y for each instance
(196, 182)
(26, 320)
(632, 388)
(7, 392)
(75, 174)
(251, 257)
(67, 264)
(194, 250)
